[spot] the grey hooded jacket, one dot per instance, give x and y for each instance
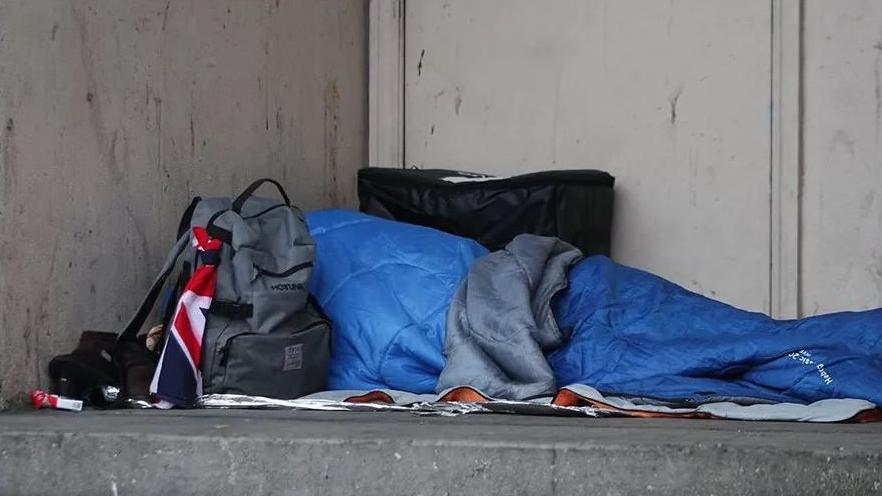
(500, 324)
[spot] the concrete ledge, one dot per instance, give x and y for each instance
(282, 452)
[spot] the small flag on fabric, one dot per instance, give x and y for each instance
(177, 380)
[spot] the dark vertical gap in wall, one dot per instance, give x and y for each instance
(773, 110)
(402, 5)
(800, 155)
(366, 119)
(800, 132)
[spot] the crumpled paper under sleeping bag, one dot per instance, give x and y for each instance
(386, 286)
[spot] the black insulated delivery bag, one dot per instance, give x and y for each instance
(573, 205)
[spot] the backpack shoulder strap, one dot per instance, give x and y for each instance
(184, 223)
(137, 320)
(134, 325)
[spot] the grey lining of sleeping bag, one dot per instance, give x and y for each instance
(500, 324)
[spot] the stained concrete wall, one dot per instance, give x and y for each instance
(673, 98)
(841, 201)
(114, 113)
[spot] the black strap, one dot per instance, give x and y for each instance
(249, 191)
(184, 223)
(172, 303)
(218, 232)
(231, 309)
(134, 325)
(137, 320)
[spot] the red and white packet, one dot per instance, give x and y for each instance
(40, 399)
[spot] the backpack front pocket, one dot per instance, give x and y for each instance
(286, 364)
(277, 297)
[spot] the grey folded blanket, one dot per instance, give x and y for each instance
(500, 324)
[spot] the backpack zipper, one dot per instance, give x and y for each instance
(292, 270)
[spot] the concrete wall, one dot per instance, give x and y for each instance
(677, 99)
(114, 113)
(672, 98)
(841, 202)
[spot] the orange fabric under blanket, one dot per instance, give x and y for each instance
(565, 397)
(371, 397)
(465, 395)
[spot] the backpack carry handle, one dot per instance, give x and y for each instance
(249, 191)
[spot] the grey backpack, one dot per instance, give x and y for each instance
(263, 334)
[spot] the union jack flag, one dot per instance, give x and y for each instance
(177, 380)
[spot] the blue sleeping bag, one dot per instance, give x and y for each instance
(637, 334)
(387, 285)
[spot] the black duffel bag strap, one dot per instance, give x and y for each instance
(134, 325)
(249, 191)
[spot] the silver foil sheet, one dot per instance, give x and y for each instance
(441, 408)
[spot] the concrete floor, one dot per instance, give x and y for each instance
(286, 452)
